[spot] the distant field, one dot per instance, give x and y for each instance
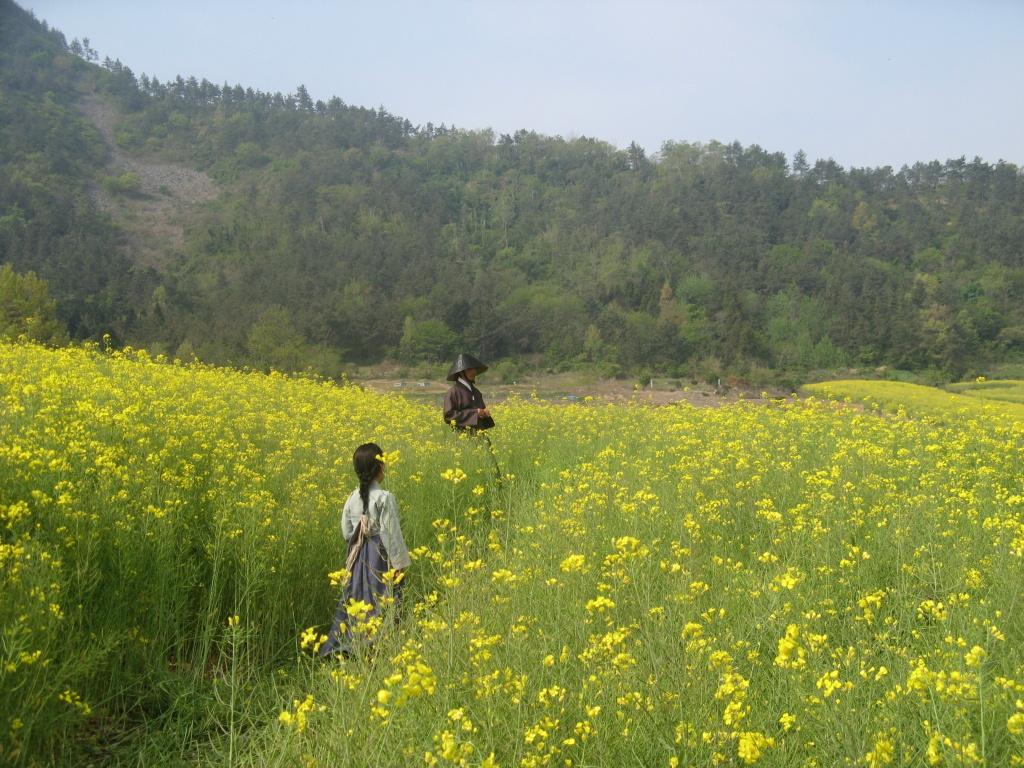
(575, 387)
(985, 399)
(1007, 391)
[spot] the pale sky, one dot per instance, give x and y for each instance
(868, 83)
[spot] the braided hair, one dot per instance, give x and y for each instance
(367, 467)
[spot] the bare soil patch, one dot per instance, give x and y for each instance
(574, 388)
(155, 220)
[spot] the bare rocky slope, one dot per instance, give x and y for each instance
(154, 221)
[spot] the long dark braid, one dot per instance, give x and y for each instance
(367, 467)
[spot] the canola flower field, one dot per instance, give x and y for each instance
(799, 584)
(987, 400)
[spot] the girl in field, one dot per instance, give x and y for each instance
(377, 556)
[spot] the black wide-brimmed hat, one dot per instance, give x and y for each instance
(463, 363)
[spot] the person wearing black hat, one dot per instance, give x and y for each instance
(464, 406)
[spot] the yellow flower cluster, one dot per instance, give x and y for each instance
(298, 717)
(143, 500)
(779, 584)
(416, 680)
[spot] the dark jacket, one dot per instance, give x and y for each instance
(460, 407)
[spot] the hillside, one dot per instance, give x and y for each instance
(169, 194)
(274, 231)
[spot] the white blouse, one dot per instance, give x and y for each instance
(383, 513)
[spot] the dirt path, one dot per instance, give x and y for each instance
(567, 389)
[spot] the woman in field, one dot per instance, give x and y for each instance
(377, 556)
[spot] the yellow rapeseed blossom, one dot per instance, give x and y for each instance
(573, 563)
(600, 604)
(930, 610)
(752, 745)
(881, 754)
(812, 569)
(1015, 724)
(975, 656)
(456, 475)
(790, 653)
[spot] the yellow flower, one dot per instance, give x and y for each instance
(504, 576)
(573, 563)
(310, 639)
(357, 609)
(388, 458)
(600, 604)
(339, 578)
(1015, 724)
(790, 653)
(829, 683)
(975, 656)
(882, 754)
(789, 579)
(750, 746)
(929, 610)
(454, 475)
(73, 698)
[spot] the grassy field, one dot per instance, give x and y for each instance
(783, 584)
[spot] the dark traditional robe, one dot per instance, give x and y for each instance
(460, 407)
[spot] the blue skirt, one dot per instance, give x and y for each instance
(358, 630)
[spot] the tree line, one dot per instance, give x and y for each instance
(345, 235)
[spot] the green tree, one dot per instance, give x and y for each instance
(274, 341)
(26, 309)
(800, 166)
(128, 184)
(249, 155)
(305, 102)
(426, 340)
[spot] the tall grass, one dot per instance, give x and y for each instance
(780, 584)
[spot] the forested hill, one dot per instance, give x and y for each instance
(341, 234)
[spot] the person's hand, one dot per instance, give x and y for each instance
(483, 413)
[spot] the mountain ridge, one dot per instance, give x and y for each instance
(343, 236)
